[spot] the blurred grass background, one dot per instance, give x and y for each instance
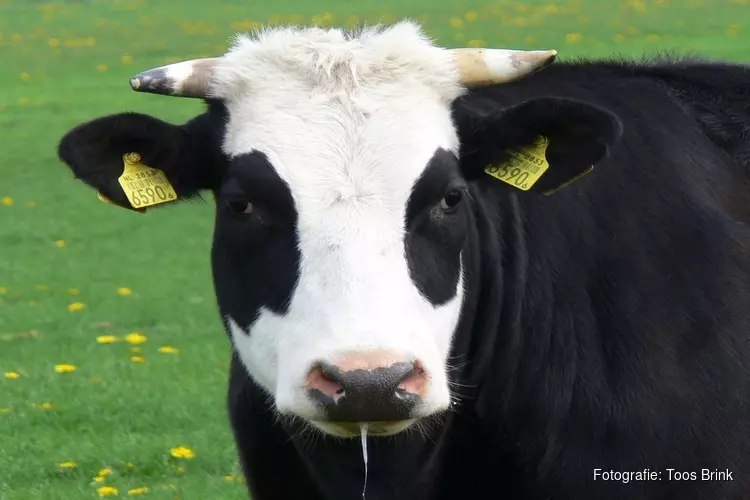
(75, 271)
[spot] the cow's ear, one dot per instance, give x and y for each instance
(539, 145)
(165, 162)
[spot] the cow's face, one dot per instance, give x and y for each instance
(341, 221)
(341, 168)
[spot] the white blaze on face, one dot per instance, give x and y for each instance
(350, 125)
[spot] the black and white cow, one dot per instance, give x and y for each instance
(498, 342)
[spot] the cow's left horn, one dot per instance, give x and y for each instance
(479, 67)
(183, 79)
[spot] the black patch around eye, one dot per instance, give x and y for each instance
(259, 182)
(255, 263)
(440, 174)
(434, 237)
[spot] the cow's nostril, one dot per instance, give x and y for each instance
(415, 382)
(324, 383)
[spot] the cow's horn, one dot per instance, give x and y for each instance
(476, 67)
(183, 79)
(479, 67)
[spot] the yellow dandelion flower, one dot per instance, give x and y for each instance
(471, 16)
(25, 76)
(573, 37)
(653, 37)
(65, 368)
(43, 406)
(130, 465)
(733, 30)
(137, 359)
(31, 204)
(24, 101)
(138, 491)
(135, 338)
(168, 349)
(477, 43)
(3, 290)
(105, 472)
(60, 243)
(457, 22)
(4, 411)
(229, 477)
(102, 68)
(67, 465)
(95, 380)
(12, 375)
(182, 452)
(106, 339)
(99, 479)
(7, 201)
(53, 43)
(124, 292)
(73, 291)
(76, 306)
(16, 37)
(127, 59)
(107, 491)
(619, 37)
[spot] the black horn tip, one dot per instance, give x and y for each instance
(154, 81)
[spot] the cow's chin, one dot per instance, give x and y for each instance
(354, 429)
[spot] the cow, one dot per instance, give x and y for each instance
(516, 279)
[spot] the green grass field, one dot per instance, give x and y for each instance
(74, 269)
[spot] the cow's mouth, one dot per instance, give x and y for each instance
(354, 429)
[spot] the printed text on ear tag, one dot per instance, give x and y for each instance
(144, 186)
(524, 167)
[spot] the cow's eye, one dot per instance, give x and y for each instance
(240, 208)
(451, 199)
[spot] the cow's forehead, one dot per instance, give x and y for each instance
(340, 118)
(336, 62)
(328, 150)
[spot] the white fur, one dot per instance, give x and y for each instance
(350, 125)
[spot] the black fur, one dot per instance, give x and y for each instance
(255, 257)
(606, 326)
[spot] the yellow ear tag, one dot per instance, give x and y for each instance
(525, 166)
(144, 186)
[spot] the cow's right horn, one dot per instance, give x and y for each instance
(183, 79)
(479, 67)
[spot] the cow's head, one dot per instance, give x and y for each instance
(342, 203)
